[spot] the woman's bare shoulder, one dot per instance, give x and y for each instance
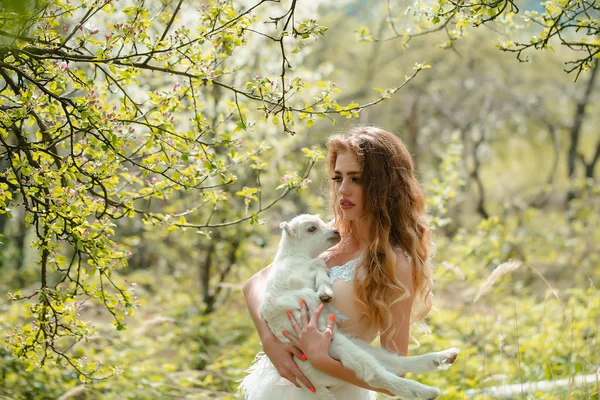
(404, 269)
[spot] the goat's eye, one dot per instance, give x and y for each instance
(312, 229)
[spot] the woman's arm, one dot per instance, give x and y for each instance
(253, 290)
(336, 369)
(397, 342)
(280, 354)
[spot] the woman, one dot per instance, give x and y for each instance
(380, 269)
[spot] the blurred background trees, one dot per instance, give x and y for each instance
(166, 129)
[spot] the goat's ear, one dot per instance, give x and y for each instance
(290, 229)
(287, 228)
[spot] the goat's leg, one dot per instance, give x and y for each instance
(322, 282)
(367, 368)
(405, 388)
(401, 365)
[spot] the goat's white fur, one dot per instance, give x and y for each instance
(297, 274)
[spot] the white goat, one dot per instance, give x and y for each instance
(297, 274)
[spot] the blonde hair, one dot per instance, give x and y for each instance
(395, 205)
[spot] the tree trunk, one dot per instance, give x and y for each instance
(589, 168)
(205, 268)
(575, 131)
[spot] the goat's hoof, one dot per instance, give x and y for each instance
(445, 358)
(433, 393)
(325, 294)
(325, 298)
(451, 359)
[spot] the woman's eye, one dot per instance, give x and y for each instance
(312, 229)
(336, 179)
(356, 180)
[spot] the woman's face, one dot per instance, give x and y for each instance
(348, 185)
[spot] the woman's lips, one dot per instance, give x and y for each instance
(346, 204)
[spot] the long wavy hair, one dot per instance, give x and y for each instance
(394, 205)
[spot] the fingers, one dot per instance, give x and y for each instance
(330, 324)
(292, 373)
(298, 374)
(295, 326)
(296, 352)
(303, 316)
(292, 379)
(293, 339)
(315, 317)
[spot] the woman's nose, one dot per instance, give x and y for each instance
(343, 188)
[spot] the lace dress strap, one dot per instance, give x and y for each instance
(408, 257)
(344, 271)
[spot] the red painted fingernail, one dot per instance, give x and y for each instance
(289, 314)
(303, 357)
(283, 333)
(312, 390)
(301, 302)
(332, 317)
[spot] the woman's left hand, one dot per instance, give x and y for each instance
(313, 343)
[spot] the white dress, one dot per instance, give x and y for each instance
(263, 382)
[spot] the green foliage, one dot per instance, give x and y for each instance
(113, 113)
(516, 340)
(443, 189)
(144, 142)
(527, 327)
(163, 354)
(573, 24)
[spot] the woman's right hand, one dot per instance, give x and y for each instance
(282, 357)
